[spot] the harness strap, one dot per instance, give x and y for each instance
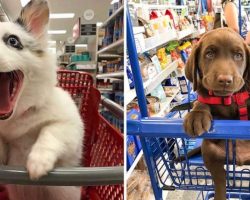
(239, 98)
(213, 100)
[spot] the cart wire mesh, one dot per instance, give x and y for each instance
(103, 143)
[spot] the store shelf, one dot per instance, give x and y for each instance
(158, 40)
(111, 46)
(105, 89)
(63, 63)
(184, 33)
(84, 65)
(138, 29)
(110, 56)
(163, 38)
(165, 105)
(108, 90)
(131, 169)
(110, 75)
(155, 6)
(130, 95)
(198, 33)
(201, 31)
(84, 62)
(218, 8)
(113, 16)
(151, 84)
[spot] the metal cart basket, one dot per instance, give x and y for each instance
(163, 140)
(102, 174)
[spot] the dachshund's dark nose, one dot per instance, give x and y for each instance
(225, 80)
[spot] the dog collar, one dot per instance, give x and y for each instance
(238, 98)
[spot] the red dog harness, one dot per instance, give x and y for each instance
(238, 98)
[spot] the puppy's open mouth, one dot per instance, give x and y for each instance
(10, 86)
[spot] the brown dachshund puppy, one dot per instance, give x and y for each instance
(218, 67)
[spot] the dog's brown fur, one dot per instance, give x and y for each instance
(219, 53)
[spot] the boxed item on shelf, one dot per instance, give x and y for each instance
(118, 28)
(159, 93)
(139, 38)
(163, 58)
(135, 115)
(130, 77)
(104, 84)
(169, 91)
(65, 58)
(118, 85)
(112, 86)
(132, 150)
(109, 33)
(114, 31)
(84, 56)
(119, 98)
(110, 66)
(115, 6)
(154, 105)
(148, 71)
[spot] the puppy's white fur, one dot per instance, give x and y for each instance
(45, 129)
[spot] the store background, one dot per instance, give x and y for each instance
(164, 32)
(95, 45)
(63, 6)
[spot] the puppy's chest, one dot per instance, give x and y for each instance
(227, 112)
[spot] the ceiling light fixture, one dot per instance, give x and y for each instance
(81, 45)
(61, 15)
(98, 24)
(57, 31)
(52, 42)
(52, 50)
(24, 2)
(114, 1)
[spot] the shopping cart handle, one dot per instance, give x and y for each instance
(79, 176)
(113, 107)
(221, 129)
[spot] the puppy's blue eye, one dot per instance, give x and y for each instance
(238, 56)
(210, 55)
(14, 42)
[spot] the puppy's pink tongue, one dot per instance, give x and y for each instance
(5, 102)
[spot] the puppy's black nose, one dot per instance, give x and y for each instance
(225, 80)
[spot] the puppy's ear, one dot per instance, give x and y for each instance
(247, 70)
(191, 69)
(34, 17)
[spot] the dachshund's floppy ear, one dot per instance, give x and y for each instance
(191, 69)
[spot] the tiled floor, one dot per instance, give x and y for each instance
(182, 195)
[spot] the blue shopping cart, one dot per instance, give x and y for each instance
(163, 140)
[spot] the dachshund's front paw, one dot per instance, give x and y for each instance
(197, 122)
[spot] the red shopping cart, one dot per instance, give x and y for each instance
(103, 148)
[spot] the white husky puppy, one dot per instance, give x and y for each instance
(40, 127)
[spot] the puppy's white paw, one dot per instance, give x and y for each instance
(39, 163)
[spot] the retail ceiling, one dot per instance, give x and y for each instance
(100, 8)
